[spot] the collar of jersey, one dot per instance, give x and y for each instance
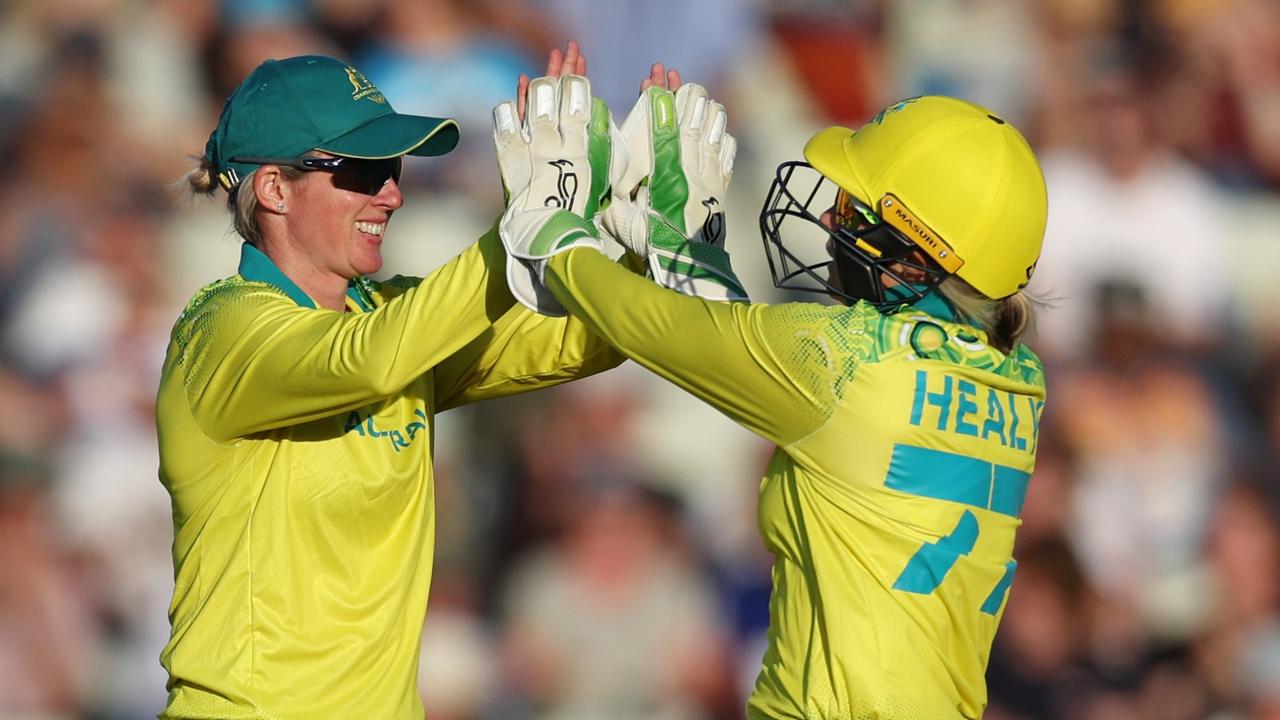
(256, 266)
(930, 302)
(937, 306)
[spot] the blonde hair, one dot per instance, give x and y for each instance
(242, 202)
(1004, 321)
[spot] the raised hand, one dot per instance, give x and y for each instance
(509, 117)
(554, 148)
(659, 76)
(571, 62)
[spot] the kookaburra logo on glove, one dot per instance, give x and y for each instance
(566, 186)
(556, 166)
(713, 225)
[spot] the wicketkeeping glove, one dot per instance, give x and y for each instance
(667, 205)
(555, 174)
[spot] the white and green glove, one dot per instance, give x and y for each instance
(668, 203)
(555, 173)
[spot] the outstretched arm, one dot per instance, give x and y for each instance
(737, 357)
(253, 360)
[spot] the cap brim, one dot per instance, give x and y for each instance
(826, 153)
(393, 135)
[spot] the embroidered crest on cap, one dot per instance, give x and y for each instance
(363, 88)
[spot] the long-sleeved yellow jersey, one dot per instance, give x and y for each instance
(296, 445)
(904, 447)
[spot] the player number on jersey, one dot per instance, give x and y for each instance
(956, 478)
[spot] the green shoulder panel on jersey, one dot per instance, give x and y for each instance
(220, 299)
(217, 295)
(919, 335)
(829, 343)
(1027, 365)
(201, 297)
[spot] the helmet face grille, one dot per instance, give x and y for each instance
(848, 263)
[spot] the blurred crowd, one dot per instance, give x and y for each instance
(597, 554)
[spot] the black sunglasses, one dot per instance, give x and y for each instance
(354, 174)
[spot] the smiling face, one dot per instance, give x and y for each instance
(337, 227)
(325, 226)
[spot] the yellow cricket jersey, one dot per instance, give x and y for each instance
(296, 445)
(905, 444)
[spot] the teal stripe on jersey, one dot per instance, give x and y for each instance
(958, 478)
(1010, 490)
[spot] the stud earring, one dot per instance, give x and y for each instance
(280, 207)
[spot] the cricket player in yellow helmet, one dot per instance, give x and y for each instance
(905, 416)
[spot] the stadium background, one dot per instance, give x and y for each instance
(597, 556)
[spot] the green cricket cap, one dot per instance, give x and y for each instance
(287, 108)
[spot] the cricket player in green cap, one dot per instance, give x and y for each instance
(295, 412)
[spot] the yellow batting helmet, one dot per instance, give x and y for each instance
(968, 188)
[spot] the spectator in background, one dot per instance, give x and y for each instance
(115, 515)
(1221, 105)
(82, 296)
(48, 636)
(1147, 432)
(1126, 208)
(817, 37)
(52, 214)
(1235, 653)
(471, 66)
(982, 50)
(1068, 34)
(1047, 512)
(250, 32)
(612, 620)
(460, 672)
(706, 39)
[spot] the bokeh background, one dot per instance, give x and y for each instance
(597, 555)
